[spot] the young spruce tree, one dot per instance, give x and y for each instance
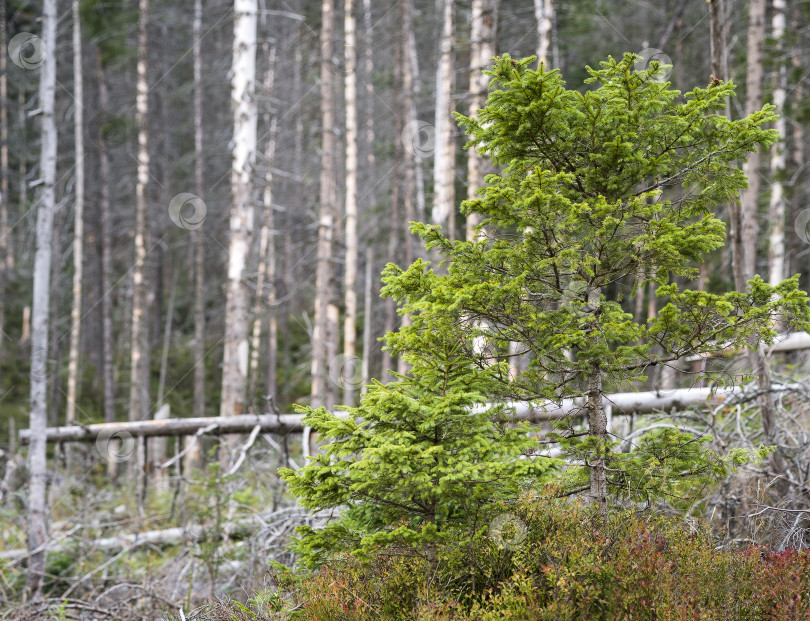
(601, 191)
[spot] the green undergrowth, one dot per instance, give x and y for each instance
(551, 559)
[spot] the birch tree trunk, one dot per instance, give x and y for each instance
(776, 212)
(198, 237)
(482, 48)
(37, 460)
(266, 272)
(235, 362)
(78, 227)
(139, 386)
(444, 159)
(749, 198)
(350, 271)
(544, 17)
(326, 216)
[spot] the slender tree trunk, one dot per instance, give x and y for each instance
(266, 272)
(597, 428)
(419, 172)
(139, 388)
(37, 460)
(749, 198)
(776, 213)
(718, 39)
(444, 159)
(22, 171)
(350, 268)
(365, 372)
(106, 256)
(482, 48)
(78, 227)
(544, 16)
(368, 69)
(235, 362)
(4, 202)
(198, 237)
(326, 215)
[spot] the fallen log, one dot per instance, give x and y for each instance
(620, 403)
(791, 341)
(167, 536)
(276, 423)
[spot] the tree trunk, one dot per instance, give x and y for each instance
(78, 226)
(597, 428)
(106, 254)
(419, 172)
(444, 159)
(368, 69)
(139, 387)
(482, 48)
(326, 215)
(544, 16)
(37, 460)
(235, 361)
(749, 198)
(776, 212)
(197, 235)
(350, 270)
(365, 373)
(266, 272)
(4, 230)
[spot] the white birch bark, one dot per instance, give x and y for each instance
(444, 158)
(544, 17)
(139, 387)
(245, 118)
(37, 460)
(776, 246)
(351, 211)
(78, 226)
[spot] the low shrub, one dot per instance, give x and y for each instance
(560, 561)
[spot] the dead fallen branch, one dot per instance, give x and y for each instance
(620, 403)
